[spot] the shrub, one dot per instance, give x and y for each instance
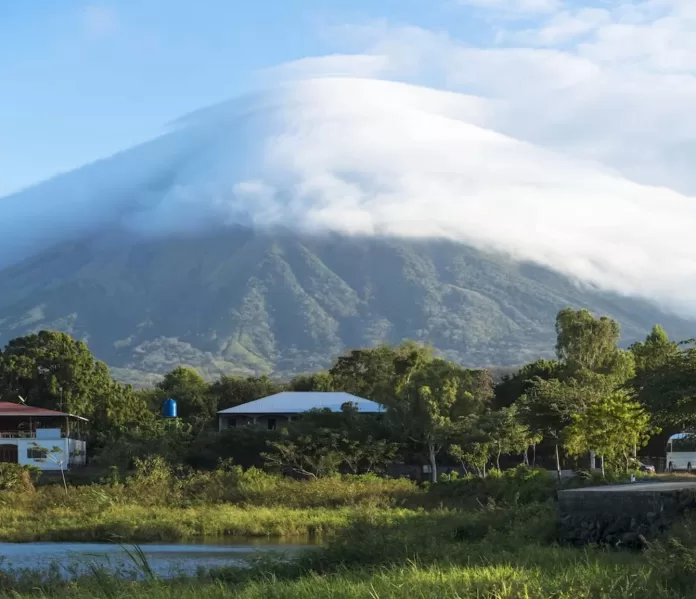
(14, 477)
(518, 486)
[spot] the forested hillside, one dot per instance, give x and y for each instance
(250, 302)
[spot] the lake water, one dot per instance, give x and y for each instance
(165, 560)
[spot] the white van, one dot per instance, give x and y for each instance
(681, 452)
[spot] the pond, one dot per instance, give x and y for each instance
(165, 560)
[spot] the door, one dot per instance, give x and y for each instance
(8, 453)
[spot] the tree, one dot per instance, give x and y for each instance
(506, 433)
(473, 455)
(311, 455)
(612, 425)
(194, 402)
(669, 389)
(376, 373)
(547, 409)
(472, 444)
(655, 352)
(230, 391)
(430, 399)
(587, 343)
(318, 381)
(53, 370)
(513, 386)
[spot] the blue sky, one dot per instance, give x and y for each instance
(81, 80)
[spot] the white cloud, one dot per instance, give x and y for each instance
(99, 21)
(363, 156)
(561, 28)
(520, 6)
(571, 143)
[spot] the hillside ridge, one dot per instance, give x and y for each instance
(242, 301)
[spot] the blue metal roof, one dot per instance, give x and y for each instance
(297, 402)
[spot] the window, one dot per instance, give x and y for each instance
(685, 444)
(232, 423)
(271, 424)
(37, 453)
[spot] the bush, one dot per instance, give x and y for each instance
(519, 486)
(14, 477)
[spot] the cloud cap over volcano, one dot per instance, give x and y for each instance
(374, 157)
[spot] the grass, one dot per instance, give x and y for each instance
(157, 505)
(493, 553)
(528, 573)
(498, 544)
(137, 524)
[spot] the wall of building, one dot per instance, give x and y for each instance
(49, 463)
(266, 421)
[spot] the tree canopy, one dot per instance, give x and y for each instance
(594, 397)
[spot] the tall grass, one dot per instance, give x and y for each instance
(159, 504)
(132, 523)
(551, 573)
(493, 552)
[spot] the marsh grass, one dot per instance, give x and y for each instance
(421, 556)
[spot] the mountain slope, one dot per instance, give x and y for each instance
(244, 301)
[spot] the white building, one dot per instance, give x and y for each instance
(283, 407)
(43, 438)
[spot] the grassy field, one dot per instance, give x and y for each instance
(136, 524)
(500, 554)
(493, 539)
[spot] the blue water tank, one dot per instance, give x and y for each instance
(169, 408)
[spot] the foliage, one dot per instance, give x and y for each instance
(432, 405)
(230, 390)
(323, 442)
(513, 386)
(668, 388)
(52, 370)
(252, 303)
(189, 389)
(14, 477)
(613, 425)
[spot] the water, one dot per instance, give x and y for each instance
(165, 560)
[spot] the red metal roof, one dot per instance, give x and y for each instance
(16, 409)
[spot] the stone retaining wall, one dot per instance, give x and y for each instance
(622, 517)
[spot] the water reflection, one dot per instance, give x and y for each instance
(165, 560)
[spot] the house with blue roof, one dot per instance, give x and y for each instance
(272, 411)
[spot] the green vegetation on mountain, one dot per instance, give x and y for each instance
(244, 302)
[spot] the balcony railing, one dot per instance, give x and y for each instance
(55, 434)
(17, 435)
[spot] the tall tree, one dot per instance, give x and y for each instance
(515, 385)
(194, 400)
(317, 381)
(587, 343)
(52, 370)
(613, 425)
(376, 373)
(230, 390)
(431, 398)
(507, 433)
(654, 352)
(669, 390)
